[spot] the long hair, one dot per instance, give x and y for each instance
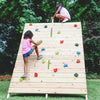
(58, 4)
(28, 34)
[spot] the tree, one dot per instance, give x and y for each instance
(13, 15)
(88, 12)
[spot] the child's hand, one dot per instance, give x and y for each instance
(40, 42)
(52, 17)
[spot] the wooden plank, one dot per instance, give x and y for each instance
(48, 85)
(47, 90)
(50, 80)
(63, 81)
(50, 75)
(53, 57)
(51, 70)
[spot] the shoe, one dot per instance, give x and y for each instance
(41, 56)
(25, 75)
(65, 20)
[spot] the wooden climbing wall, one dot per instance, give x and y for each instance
(67, 58)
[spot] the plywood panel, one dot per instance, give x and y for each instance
(63, 81)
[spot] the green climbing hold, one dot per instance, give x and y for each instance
(51, 32)
(45, 26)
(58, 32)
(76, 44)
(76, 74)
(21, 79)
(38, 41)
(43, 61)
(57, 53)
(48, 64)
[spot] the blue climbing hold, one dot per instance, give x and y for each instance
(65, 65)
(43, 49)
(36, 29)
(78, 52)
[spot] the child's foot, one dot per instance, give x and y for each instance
(41, 56)
(25, 75)
(65, 20)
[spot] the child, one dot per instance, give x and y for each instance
(61, 13)
(27, 49)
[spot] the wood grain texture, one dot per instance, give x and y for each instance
(63, 81)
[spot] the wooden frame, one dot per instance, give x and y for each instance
(49, 82)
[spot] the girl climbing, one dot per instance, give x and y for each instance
(27, 49)
(61, 13)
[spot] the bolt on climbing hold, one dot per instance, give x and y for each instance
(45, 26)
(30, 24)
(76, 75)
(35, 74)
(78, 61)
(57, 53)
(75, 25)
(48, 64)
(43, 61)
(65, 65)
(61, 41)
(55, 69)
(36, 29)
(38, 41)
(76, 44)
(51, 32)
(78, 52)
(43, 49)
(21, 79)
(58, 32)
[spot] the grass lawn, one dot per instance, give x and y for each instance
(92, 85)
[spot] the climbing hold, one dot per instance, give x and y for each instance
(38, 41)
(58, 32)
(57, 53)
(43, 49)
(45, 26)
(30, 24)
(51, 32)
(75, 25)
(61, 41)
(78, 61)
(43, 61)
(55, 69)
(21, 79)
(35, 74)
(48, 64)
(76, 44)
(36, 29)
(76, 75)
(78, 52)
(65, 65)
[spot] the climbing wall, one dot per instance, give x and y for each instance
(62, 69)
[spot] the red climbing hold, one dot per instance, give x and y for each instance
(75, 25)
(30, 24)
(61, 41)
(78, 61)
(36, 74)
(55, 69)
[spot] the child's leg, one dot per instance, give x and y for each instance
(60, 16)
(25, 65)
(36, 50)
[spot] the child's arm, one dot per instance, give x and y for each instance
(35, 42)
(56, 12)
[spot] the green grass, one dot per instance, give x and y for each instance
(93, 87)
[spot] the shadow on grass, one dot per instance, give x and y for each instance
(49, 95)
